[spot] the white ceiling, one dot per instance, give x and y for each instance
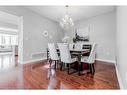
(76, 12)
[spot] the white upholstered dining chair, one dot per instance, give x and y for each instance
(65, 55)
(90, 59)
(71, 46)
(78, 46)
(53, 54)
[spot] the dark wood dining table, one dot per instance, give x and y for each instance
(77, 53)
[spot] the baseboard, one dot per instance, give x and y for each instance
(119, 78)
(35, 60)
(109, 61)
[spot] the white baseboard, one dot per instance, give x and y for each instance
(35, 60)
(119, 78)
(109, 61)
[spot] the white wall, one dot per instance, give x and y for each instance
(33, 27)
(121, 36)
(8, 25)
(102, 32)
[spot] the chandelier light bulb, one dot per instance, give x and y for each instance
(66, 22)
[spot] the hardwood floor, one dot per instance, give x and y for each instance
(105, 78)
(38, 76)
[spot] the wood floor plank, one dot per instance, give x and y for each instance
(37, 75)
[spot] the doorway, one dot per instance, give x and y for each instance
(11, 40)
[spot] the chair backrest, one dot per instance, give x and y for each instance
(71, 46)
(64, 52)
(52, 51)
(78, 46)
(91, 58)
(86, 46)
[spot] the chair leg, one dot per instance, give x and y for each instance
(55, 64)
(61, 66)
(50, 62)
(93, 69)
(58, 63)
(68, 68)
(89, 67)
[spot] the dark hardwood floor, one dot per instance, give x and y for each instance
(37, 75)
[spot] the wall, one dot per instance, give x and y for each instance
(102, 32)
(8, 25)
(33, 27)
(121, 37)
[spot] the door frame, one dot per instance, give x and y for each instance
(19, 22)
(20, 40)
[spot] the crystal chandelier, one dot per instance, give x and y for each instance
(66, 22)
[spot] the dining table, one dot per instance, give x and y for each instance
(78, 53)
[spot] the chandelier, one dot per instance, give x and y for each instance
(66, 22)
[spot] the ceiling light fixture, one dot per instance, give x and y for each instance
(66, 22)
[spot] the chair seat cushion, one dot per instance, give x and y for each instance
(55, 58)
(72, 61)
(84, 59)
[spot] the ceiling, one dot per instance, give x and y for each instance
(76, 12)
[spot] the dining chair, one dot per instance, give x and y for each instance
(53, 54)
(65, 56)
(86, 46)
(90, 59)
(71, 46)
(78, 46)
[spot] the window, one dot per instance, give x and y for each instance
(7, 39)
